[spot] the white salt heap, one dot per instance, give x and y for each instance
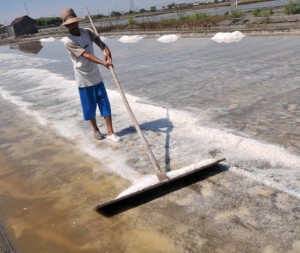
(131, 39)
(168, 38)
(228, 37)
(50, 39)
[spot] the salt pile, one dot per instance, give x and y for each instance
(228, 37)
(168, 38)
(131, 39)
(50, 39)
(64, 39)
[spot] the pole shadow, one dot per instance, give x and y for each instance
(163, 125)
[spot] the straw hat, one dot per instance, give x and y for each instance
(68, 17)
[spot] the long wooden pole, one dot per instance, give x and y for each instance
(161, 174)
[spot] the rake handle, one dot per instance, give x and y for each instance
(161, 175)
(159, 172)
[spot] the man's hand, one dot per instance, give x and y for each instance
(107, 55)
(107, 64)
(93, 58)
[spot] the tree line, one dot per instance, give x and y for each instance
(48, 22)
(292, 8)
(56, 21)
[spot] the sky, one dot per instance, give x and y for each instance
(11, 9)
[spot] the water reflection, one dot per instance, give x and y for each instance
(32, 47)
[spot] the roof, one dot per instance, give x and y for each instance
(20, 19)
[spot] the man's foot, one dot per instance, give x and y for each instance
(98, 135)
(113, 138)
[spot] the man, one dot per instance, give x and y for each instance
(92, 92)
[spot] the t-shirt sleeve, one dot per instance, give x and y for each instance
(74, 49)
(96, 39)
(92, 34)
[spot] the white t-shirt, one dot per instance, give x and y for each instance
(87, 73)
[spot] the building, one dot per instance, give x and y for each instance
(22, 26)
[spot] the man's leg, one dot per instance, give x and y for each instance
(108, 121)
(110, 132)
(104, 106)
(94, 124)
(97, 133)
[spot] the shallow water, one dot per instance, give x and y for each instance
(195, 100)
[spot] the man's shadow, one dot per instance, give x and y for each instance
(163, 125)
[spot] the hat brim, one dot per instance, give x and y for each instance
(72, 20)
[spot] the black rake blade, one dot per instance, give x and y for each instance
(158, 190)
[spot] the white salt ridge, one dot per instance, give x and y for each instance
(264, 179)
(168, 38)
(228, 37)
(50, 39)
(131, 39)
(24, 106)
(68, 128)
(247, 149)
(148, 181)
(22, 61)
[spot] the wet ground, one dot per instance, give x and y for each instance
(49, 190)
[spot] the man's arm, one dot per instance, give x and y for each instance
(99, 43)
(102, 45)
(94, 59)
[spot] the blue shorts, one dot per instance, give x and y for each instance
(92, 96)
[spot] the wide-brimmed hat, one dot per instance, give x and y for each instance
(68, 17)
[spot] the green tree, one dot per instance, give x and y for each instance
(131, 21)
(115, 14)
(260, 13)
(172, 5)
(236, 14)
(266, 15)
(292, 8)
(256, 12)
(153, 9)
(48, 22)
